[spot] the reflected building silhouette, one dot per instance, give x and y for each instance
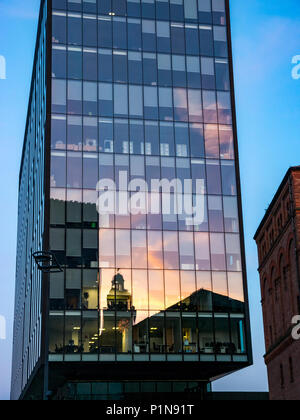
(119, 298)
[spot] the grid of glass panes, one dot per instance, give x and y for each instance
(143, 87)
(117, 390)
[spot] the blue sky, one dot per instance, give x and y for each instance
(266, 35)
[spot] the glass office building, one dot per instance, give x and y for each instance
(138, 93)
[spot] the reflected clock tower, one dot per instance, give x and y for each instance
(118, 297)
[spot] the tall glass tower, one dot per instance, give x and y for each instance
(130, 177)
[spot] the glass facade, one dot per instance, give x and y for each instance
(143, 87)
(139, 119)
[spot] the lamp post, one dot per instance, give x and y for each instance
(47, 263)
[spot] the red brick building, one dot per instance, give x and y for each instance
(278, 242)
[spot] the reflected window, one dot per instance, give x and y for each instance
(220, 41)
(120, 66)
(58, 169)
(155, 254)
(124, 324)
(74, 170)
(217, 250)
(74, 205)
(58, 132)
(74, 133)
(206, 334)
(90, 134)
(215, 210)
(105, 65)
(120, 100)
(59, 62)
(56, 333)
(192, 39)
(222, 339)
(231, 214)
(139, 249)
(107, 333)
(89, 98)
(59, 28)
(90, 286)
(74, 63)
(135, 67)
(104, 31)
(157, 335)
(224, 108)
(105, 137)
(74, 97)
(204, 11)
(73, 343)
(204, 291)
(172, 290)
(59, 99)
(134, 34)
(195, 105)
(196, 140)
(163, 35)
(140, 289)
(89, 31)
(105, 100)
(90, 332)
(173, 333)
(156, 290)
(186, 246)
(171, 258)
(189, 335)
(106, 248)
(193, 72)
(238, 336)
(74, 29)
(140, 333)
(123, 249)
(188, 289)
(202, 251)
(73, 244)
(226, 142)
(228, 178)
(180, 104)
(233, 252)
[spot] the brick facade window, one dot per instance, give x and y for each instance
(292, 380)
(281, 377)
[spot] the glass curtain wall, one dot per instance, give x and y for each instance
(142, 88)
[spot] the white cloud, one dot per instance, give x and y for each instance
(19, 9)
(269, 46)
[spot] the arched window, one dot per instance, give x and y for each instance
(281, 286)
(281, 376)
(291, 270)
(291, 366)
(273, 297)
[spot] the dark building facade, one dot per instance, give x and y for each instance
(278, 241)
(147, 301)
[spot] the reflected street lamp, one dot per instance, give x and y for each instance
(47, 263)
